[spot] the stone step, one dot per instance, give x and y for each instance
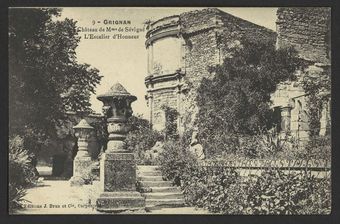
(150, 178)
(156, 183)
(148, 168)
(155, 203)
(149, 173)
(165, 195)
(164, 189)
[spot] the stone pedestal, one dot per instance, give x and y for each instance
(82, 162)
(80, 170)
(117, 165)
(120, 172)
(120, 201)
(118, 183)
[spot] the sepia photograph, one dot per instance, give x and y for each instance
(169, 110)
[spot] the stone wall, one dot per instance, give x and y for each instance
(205, 38)
(163, 97)
(306, 29)
(209, 36)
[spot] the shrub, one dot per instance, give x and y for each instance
(141, 138)
(171, 116)
(319, 147)
(194, 187)
(223, 190)
(319, 199)
(277, 192)
(16, 196)
(175, 161)
(22, 173)
(224, 194)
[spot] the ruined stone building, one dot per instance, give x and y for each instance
(308, 31)
(182, 47)
(180, 50)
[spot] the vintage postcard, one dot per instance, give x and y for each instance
(178, 110)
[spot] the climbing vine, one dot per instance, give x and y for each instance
(171, 116)
(317, 86)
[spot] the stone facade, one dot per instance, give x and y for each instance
(182, 47)
(308, 31)
(180, 50)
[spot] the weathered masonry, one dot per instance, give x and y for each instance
(308, 31)
(181, 48)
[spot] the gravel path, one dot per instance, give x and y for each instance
(58, 197)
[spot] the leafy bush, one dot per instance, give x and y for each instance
(277, 192)
(271, 145)
(141, 138)
(175, 161)
(317, 86)
(194, 186)
(223, 190)
(22, 173)
(219, 191)
(319, 200)
(16, 196)
(268, 145)
(171, 116)
(319, 147)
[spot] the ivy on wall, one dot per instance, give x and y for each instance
(317, 86)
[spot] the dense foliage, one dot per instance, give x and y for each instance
(174, 160)
(236, 101)
(45, 81)
(171, 116)
(317, 86)
(21, 172)
(45, 78)
(141, 137)
(223, 190)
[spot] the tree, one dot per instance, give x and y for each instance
(45, 79)
(237, 100)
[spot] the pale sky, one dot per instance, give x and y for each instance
(125, 61)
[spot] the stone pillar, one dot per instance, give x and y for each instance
(285, 118)
(148, 60)
(151, 59)
(82, 160)
(178, 93)
(150, 99)
(117, 165)
(182, 54)
(325, 121)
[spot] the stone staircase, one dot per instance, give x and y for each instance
(158, 193)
